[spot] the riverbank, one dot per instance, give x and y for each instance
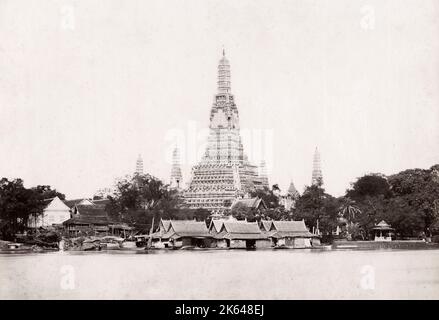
(378, 245)
(129, 246)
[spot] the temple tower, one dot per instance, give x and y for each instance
(317, 176)
(139, 165)
(263, 177)
(176, 176)
(224, 171)
(289, 199)
(292, 191)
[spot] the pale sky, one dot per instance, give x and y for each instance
(85, 86)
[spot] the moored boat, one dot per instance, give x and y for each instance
(129, 244)
(111, 242)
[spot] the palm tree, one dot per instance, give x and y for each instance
(349, 209)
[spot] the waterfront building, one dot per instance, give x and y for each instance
(55, 211)
(383, 231)
(183, 233)
(176, 181)
(139, 165)
(292, 234)
(241, 235)
(87, 220)
(317, 176)
(224, 172)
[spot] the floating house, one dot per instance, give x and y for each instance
(292, 234)
(383, 231)
(241, 235)
(184, 233)
(55, 212)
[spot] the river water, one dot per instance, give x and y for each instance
(232, 274)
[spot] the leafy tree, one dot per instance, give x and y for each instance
(278, 213)
(316, 205)
(18, 203)
(370, 185)
(141, 198)
(270, 199)
(372, 211)
(354, 231)
(201, 214)
(407, 200)
(349, 209)
(139, 192)
(242, 212)
(46, 192)
(416, 198)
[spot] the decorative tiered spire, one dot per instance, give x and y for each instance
(317, 177)
(139, 165)
(224, 75)
(176, 176)
(224, 172)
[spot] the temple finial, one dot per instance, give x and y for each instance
(317, 176)
(223, 74)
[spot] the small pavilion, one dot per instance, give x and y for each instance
(383, 231)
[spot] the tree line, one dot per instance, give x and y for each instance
(408, 201)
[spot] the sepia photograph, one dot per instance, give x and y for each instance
(219, 150)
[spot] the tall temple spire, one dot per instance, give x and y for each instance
(176, 176)
(139, 165)
(317, 176)
(224, 172)
(224, 75)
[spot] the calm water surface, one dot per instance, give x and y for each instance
(281, 274)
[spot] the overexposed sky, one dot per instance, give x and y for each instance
(85, 86)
